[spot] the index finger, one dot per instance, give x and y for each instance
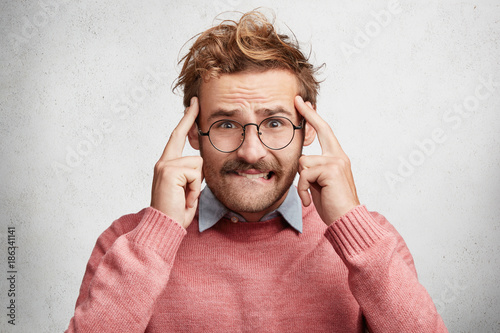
(177, 140)
(328, 141)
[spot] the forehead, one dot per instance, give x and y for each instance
(248, 92)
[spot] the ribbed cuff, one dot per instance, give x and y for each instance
(159, 232)
(354, 232)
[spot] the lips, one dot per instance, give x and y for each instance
(264, 170)
(265, 175)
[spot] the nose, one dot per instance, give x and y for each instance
(252, 149)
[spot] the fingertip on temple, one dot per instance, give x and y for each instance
(299, 99)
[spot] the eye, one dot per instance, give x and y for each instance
(274, 123)
(226, 124)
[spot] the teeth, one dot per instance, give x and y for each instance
(264, 175)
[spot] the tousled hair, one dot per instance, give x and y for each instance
(251, 44)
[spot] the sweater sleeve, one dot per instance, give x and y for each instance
(125, 275)
(382, 275)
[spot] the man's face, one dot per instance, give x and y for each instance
(254, 179)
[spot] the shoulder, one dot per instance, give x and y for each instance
(119, 227)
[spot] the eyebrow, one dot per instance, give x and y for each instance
(220, 113)
(275, 111)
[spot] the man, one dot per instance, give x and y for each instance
(251, 252)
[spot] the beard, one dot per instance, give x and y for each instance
(253, 197)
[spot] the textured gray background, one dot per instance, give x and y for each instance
(86, 110)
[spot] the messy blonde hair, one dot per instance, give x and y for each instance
(252, 44)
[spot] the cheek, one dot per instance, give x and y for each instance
(296, 151)
(211, 173)
(212, 160)
(289, 157)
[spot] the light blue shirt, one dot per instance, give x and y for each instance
(212, 210)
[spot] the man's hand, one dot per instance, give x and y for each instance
(329, 176)
(177, 180)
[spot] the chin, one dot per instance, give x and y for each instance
(249, 199)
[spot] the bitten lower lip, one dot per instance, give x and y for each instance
(252, 171)
(254, 174)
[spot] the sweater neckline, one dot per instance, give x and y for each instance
(252, 231)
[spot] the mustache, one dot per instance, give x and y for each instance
(232, 165)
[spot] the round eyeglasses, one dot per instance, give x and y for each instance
(274, 132)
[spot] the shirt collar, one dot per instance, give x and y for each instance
(212, 210)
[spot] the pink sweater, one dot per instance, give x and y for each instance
(148, 274)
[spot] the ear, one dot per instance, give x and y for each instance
(310, 133)
(193, 137)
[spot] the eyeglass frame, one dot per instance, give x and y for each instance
(301, 126)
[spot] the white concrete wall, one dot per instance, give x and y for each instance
(80, 134)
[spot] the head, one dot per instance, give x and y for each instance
(251, 44)
(245, 71)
